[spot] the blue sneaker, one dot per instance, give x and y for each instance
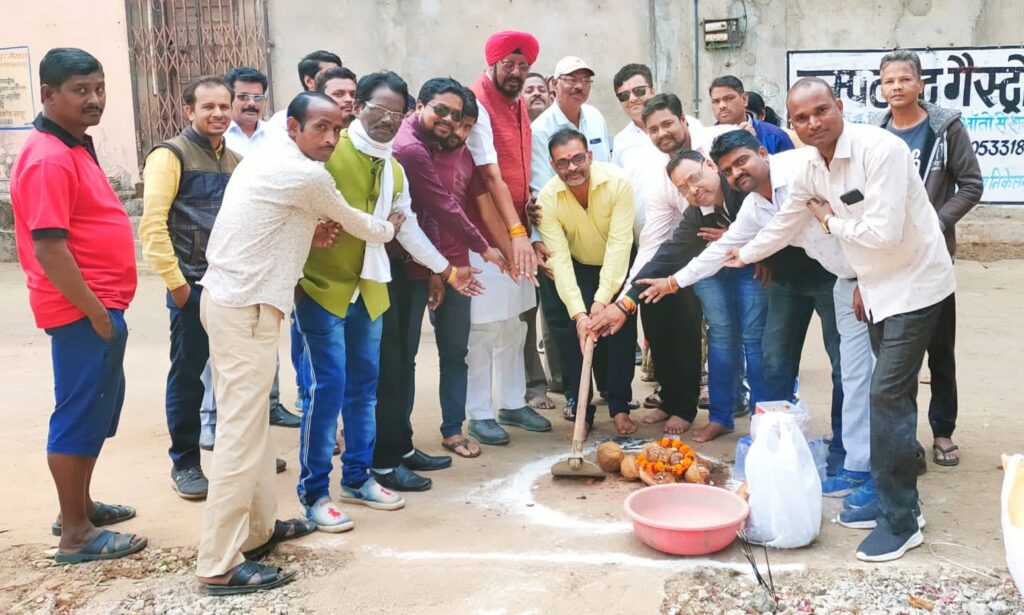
(866, 517)
(373, 495)
(844, 483)
(861, 497)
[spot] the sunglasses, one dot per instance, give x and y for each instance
(442, 110)
(638, 91)
(578, 160)
(252, 97)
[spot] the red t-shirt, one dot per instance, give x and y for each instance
(59, 190)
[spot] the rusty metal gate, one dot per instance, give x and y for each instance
(171, 42)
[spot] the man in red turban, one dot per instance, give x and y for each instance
(500, 144)
(508, 42)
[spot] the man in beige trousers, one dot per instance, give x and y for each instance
(258, 246)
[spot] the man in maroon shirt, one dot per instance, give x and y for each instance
(76, 248)
(439, 182)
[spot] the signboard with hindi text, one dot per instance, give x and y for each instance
(17, 105)
(986, 84)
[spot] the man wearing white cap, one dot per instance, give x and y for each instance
(572, 81)
(573, 78)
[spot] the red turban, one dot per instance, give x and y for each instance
(503, 43)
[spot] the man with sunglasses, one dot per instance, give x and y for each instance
(247, 128)
(588, 226)
(438, 203)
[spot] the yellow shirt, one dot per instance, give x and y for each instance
(599, 234)
(160, 178)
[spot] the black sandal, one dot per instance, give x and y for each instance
(283, 532)
(249, 577)
(105, 545)
(103, 514)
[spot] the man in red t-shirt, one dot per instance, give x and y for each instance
(76, 247)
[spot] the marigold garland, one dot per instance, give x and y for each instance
(677, 469)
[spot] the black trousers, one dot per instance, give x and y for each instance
(942, 409)
(396, 384)
(614, 356)
(673, 330)
(899, 343)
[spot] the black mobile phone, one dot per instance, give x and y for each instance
(851, 197)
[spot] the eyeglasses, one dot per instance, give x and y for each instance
(573, 81)
(578, 160)
(442, 110)
(639, 91)
(685, 189)
(251, 97)
(510, 67)
(381, 112)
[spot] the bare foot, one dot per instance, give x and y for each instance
(676, 426)
(624, 424)
(709, 432)
(945, 452)
(655, 416)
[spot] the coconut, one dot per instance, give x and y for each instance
(697, 473)
(629, 468)
(664, 478)
(656, 453)
(609, 456)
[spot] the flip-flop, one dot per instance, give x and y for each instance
(542, 402)
(936, 450)
(103, 514)
(249, 577)
(463, 444)
(105, 545)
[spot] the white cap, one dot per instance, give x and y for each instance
(570, 64)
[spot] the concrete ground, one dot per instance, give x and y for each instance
(496, 534)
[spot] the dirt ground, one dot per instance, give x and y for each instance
(496, 534)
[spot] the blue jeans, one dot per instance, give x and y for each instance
(341, 360)
(735, 307)
(190, 349)
(791, 302)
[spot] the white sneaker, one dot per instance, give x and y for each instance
(328, 516)
(373, 495)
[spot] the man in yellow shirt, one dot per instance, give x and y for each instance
(184, 178)
(587, 224)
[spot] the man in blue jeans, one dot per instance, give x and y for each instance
(338, 309)
(734, 303)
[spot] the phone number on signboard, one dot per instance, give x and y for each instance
(998, 147)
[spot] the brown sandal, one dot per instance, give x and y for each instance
(461, 448)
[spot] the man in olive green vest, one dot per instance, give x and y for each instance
(339, 304)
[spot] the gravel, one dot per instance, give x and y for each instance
(880, 591)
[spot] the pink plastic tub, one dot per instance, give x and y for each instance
(686, 519)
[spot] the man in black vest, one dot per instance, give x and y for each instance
(184, 178)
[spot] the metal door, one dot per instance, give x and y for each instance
(171, 42)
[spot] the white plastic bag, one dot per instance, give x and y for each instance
(784, 488)
(799, 411)
(1012, 504)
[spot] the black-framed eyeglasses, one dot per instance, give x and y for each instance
(739, 162)
(639, 91)
(442, 110)
(251, 97)
(381, 112)
(578, 160)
